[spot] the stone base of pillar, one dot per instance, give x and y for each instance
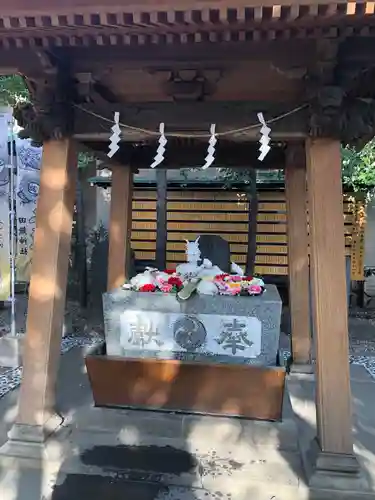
(333, 471)
(306, 368)
(28, 441)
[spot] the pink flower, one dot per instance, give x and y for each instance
(166, 288)
(161, 281)
(255, 289)
(236, 278)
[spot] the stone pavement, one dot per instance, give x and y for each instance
(103, 454)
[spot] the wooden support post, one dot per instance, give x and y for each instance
(161, 218)
(120, 226)
(252, 197)
(298, 260)
(334, 444)
(47, 294)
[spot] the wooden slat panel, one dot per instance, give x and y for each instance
(218, 227)
(238, 238)
(281, 260)
(143, 245)
(234, 247)
(270, 206)
(223, 213)
(206, 195)
(237, 248)
(144, 205)
(218, 206)
(144, 195)
(215, 206)
(259, 269)
(144, 225)
(144, 215)
(224, 195)
(141, 255)
(271, 238)
(207, 217)
(143, 235)
(206, 226)
(213, 217)
(271, 270)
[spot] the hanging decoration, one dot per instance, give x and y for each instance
(159, 158)
(115, 137)
(211, 148)
(264, 139)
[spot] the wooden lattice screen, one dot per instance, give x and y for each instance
(190, 213)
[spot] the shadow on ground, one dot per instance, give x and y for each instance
(138, 455)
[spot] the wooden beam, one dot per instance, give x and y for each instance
(298, 259)
(329, 298)
(120, 223)
(191, 117)
(204, 54)
(47, 291)
(161, 218)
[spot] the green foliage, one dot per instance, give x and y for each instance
(358, 169)
(12, 89)
(84, 159)
(246, 176)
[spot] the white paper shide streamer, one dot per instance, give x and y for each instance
(159, 158)
(211, 148)
(115, 137)
(264, 139)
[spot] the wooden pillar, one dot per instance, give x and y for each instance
(252, 197)
(120, 226)
(161, 218)
(298, 260)
(47, 291)
(329, 304)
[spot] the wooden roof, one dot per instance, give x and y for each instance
(93, 22)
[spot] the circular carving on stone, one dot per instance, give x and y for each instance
(189, 332)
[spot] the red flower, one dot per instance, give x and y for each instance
(175, 281)
(169, 271)
(221, 277)
(147, 288)
(248, 278)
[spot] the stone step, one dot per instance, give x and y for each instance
(195, 431)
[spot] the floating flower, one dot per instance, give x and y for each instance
(221, 277)
(169, 271)
(248, 278)
(161, 280)
(175, 281)
(255, 289)
(236, 278)
(166, 288)
(147, 288)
